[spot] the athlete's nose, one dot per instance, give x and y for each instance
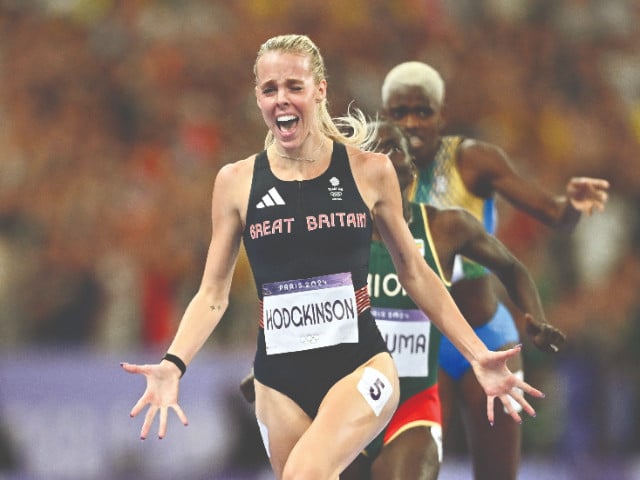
(410, 121)
(282, 97)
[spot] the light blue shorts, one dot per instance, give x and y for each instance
(495, 334)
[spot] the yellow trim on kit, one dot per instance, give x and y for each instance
(404, 428)
(410, 425)
(425, 221)
(411, 189)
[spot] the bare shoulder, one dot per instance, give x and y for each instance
(453, 222)
(450, 217)
(236, 170)
(374, 174)
(473, 145)
(369, 164)
(478, 151)
(233, 183)
(485, 168)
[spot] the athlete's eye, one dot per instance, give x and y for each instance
(398, 113)
(424, 112)
(393, 150)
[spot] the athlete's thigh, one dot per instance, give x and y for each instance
(281, 421)
(412, 455)
(352, 413)
(447, 389)
(359, 469)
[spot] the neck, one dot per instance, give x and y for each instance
(312, 157)
(406, 205)
(425, 160)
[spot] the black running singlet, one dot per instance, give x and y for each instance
(298, 229)
(317, 229)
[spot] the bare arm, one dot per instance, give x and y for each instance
(466, 236)
(378, 183)
(414, 274)
(207, 306)
(485, 169)
(212, 298)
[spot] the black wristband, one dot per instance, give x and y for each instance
(177, 361)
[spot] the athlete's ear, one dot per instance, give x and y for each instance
(321, 92)
(442, 120)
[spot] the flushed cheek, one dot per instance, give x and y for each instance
(268, 114)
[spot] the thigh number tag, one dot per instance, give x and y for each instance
(375, 388)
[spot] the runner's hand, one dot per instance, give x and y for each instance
(163, 380)
(588, 194)
(544, 336)
(499, 382)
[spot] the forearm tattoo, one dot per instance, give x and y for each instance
(215, 308)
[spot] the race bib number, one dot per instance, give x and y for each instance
(375, 388)
(309, 313)
(406, 333)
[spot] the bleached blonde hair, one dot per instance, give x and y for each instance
(350, 129)
(414, 74)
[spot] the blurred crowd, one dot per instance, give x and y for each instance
(115, 116)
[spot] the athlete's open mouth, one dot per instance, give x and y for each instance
(286, 122)
(415, 141)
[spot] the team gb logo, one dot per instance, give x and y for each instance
(335, 190)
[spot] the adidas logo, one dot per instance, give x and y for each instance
(270, 199)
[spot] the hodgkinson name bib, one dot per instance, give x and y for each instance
(309, 313)
(407, 335)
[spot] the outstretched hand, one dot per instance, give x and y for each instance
(588, 194)
(499, 382)
(161, 394)
(544, 336)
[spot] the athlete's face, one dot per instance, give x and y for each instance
(392, 142)
(288, 96)
(419, 116)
